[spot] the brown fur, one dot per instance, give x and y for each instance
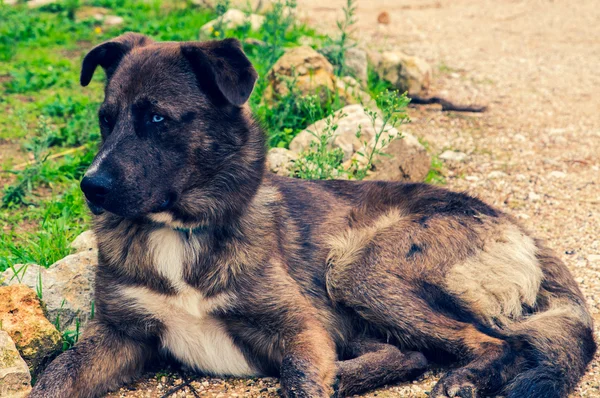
(232, 270)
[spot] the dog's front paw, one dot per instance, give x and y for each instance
(455, 384)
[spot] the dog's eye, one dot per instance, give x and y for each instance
(157, 118)
(105, 119)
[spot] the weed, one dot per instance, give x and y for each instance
(319, 161)
(393, 113)
(343, 43)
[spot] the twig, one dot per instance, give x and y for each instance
(21, 166)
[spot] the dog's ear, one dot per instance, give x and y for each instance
(109, 54)
(222, 69)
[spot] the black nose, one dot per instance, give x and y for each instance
(96, 188)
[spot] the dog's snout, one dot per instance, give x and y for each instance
(96, 188)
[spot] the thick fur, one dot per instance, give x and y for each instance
(337, 287)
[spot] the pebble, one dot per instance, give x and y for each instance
(594, 258)
(496, 174)
(453, 156)
(557, 174)
(534, 197)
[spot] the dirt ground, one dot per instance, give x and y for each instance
(535, 153)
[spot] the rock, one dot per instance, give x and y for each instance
(355, 60)
(281, 161)
(99, 14)
(594, 258)
(534, 197)
(86, 241)
(383, 18)
(39, 3)
(496, 174)
(67, 286)
(23, 318)
(15, 380)
(312, 72)
(233, 19)
(453, 156)
(404, 72)
(557, 174)
(113, 20)
(408, 159)
(350, 92)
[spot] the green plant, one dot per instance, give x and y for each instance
(15, 194)
(320, 161)
(39, 289)
(343, 43)
(277, 22)
(218, 29)
(393, 114)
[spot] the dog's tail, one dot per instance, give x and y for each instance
(557, 342)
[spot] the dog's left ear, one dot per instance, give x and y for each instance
(222, 69)
(109, 54)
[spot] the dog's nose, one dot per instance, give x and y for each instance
(96, 188)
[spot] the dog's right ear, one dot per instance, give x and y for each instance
(109, 54)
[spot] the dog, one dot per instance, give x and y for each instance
(335, 287)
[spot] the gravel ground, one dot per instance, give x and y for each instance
(534, 154)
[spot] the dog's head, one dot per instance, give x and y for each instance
(178, 144)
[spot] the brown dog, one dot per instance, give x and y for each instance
(334, 286)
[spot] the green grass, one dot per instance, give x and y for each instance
(48, 120)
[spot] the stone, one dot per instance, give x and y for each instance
(15, 379)
(453, 156)
(113, 20)
(312, 72)
(556, 174)
(281, 161)
(407, 161)
(355, 60)
(86, 241)
(404, 159)
(40, 3)
(99, 14)
(67, 286)
(233, 19)
(404, 72)
(496, 174)
(23, 318)
(350, 92)
(534, 197)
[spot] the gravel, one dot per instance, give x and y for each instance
(534, 153)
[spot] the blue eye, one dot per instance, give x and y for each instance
(157, 118)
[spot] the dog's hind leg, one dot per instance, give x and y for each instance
(375, 364)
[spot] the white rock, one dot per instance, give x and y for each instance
(557, 174)
(232, 19)
(86, 241)
(406, 158)
(496, 174)
(534, 197)
(453, 156)
(472, 178)
(594, 258)
(113, 20)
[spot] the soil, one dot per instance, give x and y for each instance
(534, 153)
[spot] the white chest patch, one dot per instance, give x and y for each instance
(192, 335)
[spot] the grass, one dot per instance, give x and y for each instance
(50, 123)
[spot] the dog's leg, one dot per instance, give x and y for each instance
(374, 365)
(308, 366)
(100, 362)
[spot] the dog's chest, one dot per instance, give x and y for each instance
(191, 334)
